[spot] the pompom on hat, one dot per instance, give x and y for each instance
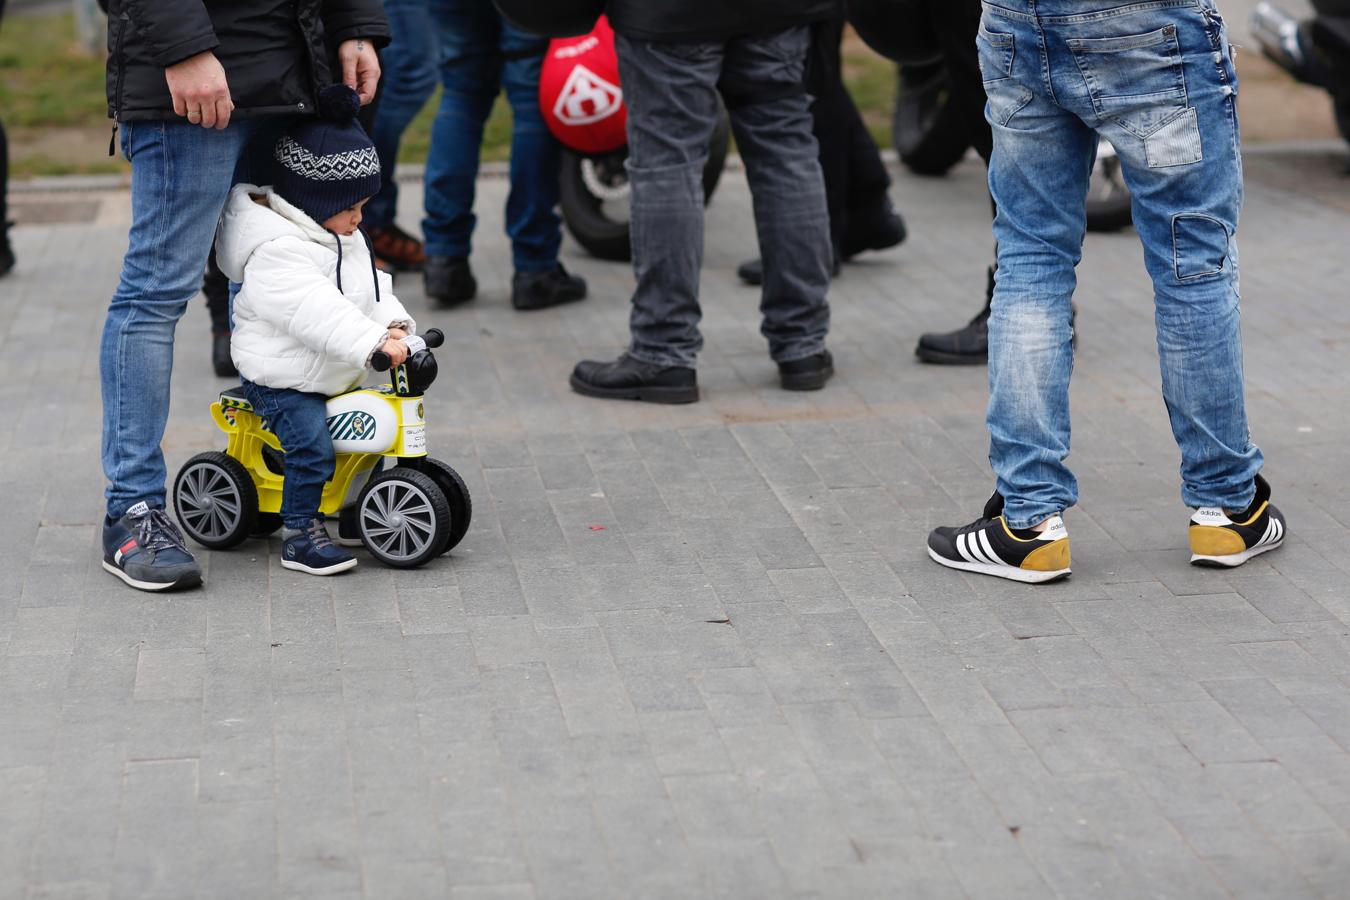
(328, 164)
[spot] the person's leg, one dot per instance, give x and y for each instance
(772, 125)
(180, 177)
(299, 420)
(671, 91)
(1038, 175)
(1180, 155)
(536, 156)
(470, 70)
(6, 251)
(407, 81)
(216, 287)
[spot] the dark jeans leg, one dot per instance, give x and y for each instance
(536, 157)
(783, 167)
(299, 420)
(468, 32)
(671, 92)
(407, 81)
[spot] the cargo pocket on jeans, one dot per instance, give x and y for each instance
(1199, 245)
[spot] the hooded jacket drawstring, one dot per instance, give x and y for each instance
(374, 271)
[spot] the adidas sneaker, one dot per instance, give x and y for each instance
(988, 546)
(1224, 540)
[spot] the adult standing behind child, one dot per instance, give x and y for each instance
(191, 86)
(312, 309)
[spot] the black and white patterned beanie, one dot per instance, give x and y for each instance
(327, 164)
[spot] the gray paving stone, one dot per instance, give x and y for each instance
(699, 652)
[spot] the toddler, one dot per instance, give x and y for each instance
(312, 309)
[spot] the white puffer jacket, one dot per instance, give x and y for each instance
(293, 327)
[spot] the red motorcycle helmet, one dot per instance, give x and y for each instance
(579, 93)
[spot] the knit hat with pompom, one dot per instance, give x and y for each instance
(328, 164)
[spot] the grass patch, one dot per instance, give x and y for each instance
(52, 100)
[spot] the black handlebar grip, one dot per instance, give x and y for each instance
(380, 361)
(434, 337)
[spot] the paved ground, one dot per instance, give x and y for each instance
(699, 652)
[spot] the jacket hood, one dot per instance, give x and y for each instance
(248, 224)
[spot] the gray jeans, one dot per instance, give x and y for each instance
(671, 92)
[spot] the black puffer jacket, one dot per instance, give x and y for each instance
(713, 20)
(275, 52)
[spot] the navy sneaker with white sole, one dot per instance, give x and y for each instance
(313, 551)
(145, 549)
(989, 547)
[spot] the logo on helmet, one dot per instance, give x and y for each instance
(587, 98)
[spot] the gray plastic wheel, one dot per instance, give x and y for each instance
(216, 500)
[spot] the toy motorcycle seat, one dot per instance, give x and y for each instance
(233, 398)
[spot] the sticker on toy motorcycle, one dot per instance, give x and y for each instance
(353, 425)
(415, 439)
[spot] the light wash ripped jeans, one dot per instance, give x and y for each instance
(1156, 79)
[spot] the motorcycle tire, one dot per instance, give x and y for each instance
(588, 186)
(926, 130)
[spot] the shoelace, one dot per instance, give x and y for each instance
(318, 535)
(158, 532)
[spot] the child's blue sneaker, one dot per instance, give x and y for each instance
(145, 549)
(313, 551)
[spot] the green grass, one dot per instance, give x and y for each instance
(48, 82)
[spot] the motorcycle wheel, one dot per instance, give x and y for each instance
(925, 129)
(593, 194)
(1108, 201)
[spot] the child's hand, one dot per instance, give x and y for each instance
(396, 350)
(397, 333)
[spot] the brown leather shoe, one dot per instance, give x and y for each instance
(400, 250)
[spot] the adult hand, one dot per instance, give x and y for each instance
(360, 67)
(199, 90)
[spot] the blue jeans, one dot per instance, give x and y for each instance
(181, 175)
(408, 79)
(1157, 80)
(300, 421)
(671, 90)
(479, 54)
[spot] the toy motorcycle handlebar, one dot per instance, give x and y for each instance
(433, 337)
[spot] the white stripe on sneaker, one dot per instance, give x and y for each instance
(989, 549)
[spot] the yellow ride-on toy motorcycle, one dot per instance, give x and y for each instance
(404, 515)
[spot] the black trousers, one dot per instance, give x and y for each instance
(855, 177)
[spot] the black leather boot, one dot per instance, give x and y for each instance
(630, 379)
(968, 346)
(448, 280)
(540, 290)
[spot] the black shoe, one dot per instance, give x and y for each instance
(630, 379)
(6, 251)
(145, 549)
(752, 271)
(968, 346)
(220, 355)
(448, 280)
(988, 546)
(540, 290)
(808, 373)
(1224, 540)
(874, 228)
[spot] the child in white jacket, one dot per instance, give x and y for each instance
(312, 308)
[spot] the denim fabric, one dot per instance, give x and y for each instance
(300, 422)
(671, 92)
(181, 175)
(407, 81)
(1157, 80)
(479, 55)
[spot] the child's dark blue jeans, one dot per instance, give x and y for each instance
(299, 420)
